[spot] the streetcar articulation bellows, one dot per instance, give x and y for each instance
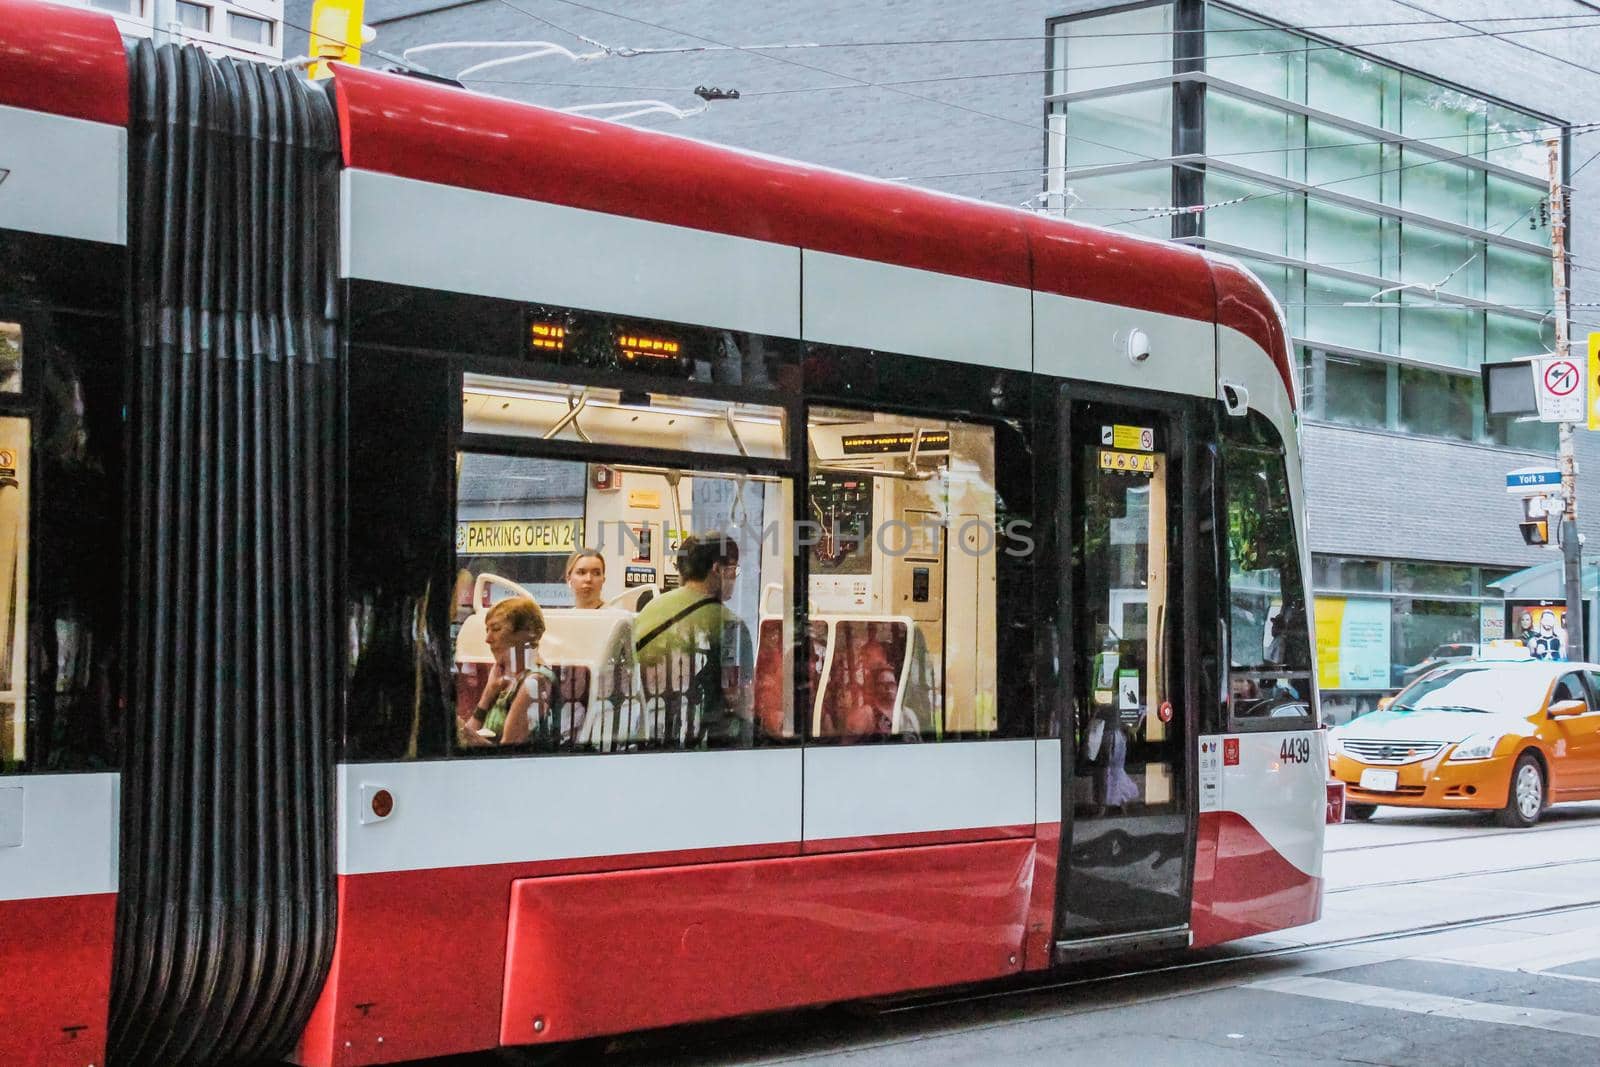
(227, 910)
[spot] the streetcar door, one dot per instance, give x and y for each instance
(1127, 834)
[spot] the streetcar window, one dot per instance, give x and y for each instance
(14, 488)
(550, 411)
(660, 595)
(902, 545)
(10, 357)
(1270, 670)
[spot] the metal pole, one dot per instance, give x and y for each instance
(1571, 550)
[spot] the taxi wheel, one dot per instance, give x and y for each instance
(1525, 798)
(1359, 812)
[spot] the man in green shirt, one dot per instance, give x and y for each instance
(695, 656)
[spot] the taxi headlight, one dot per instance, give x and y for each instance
(1335, 745)
(1478, 746)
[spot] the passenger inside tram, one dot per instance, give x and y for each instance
(668, 591)
(615, 550)
(517, 688)
(586, 576)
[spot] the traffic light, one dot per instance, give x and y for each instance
(1535, 531)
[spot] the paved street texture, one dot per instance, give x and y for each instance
(1445, 939)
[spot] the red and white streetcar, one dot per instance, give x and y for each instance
(946, 618)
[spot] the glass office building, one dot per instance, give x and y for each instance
(1402, 223)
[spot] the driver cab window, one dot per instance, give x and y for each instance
(1269, 676)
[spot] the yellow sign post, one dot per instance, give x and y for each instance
(336, 34)
(1594, 381)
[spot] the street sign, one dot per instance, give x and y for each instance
(1532, 481)
(1559, 383)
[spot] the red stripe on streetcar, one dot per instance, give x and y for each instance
(63, 61)
(55, 978)
(602, 954)
(416, 129)
(1243, 886)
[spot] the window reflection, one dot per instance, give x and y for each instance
(615, 607)
(903, 550)
(1270, 676)
(10, 357)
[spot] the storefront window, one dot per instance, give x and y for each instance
(1425, 632)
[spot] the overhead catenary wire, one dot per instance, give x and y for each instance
(911, 42)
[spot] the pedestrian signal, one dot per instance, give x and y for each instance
(1536, 531)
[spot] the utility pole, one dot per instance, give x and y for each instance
(1571, 550)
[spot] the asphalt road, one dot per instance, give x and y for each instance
(1446, 939)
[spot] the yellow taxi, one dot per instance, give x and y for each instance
(1506, 736)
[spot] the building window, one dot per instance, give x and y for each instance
(1356, 392)
(119, 7)
(1435, 404)
(247, 28)
(194, 16)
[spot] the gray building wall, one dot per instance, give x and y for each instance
(980, 133)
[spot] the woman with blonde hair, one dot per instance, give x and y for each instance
(517, 681)
(586, 577)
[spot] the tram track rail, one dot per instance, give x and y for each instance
(1242, 959)
(1467, 835)
(1462, 874)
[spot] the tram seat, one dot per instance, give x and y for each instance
(591, 652)
(771, 688)
(857, 646)
(632, 599)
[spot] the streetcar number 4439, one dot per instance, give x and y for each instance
(1295, 750)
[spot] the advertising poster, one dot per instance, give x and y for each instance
(1352, 643)
(1491, 623)
(1542, 628)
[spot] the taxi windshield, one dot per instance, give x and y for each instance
(1482, 689)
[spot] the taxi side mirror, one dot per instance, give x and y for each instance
(1567, 707)
(1384, 702)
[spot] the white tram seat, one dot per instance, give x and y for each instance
(633, 599)
(593, 650)
(854, 644)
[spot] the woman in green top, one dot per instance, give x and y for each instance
(512, 628)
